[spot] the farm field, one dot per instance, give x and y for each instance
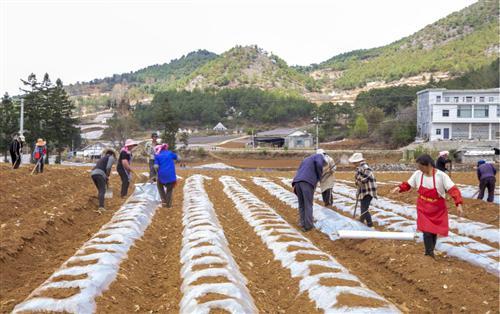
(231, 243)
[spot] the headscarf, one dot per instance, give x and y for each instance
(160, 147)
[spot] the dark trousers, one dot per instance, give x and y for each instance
(327, 197)
(100, 183)
(16, 160)
(489, 183)
(305, 194)
(365, 214)
(152, 170)
(166, 197)
(125, 181)
(430, 240)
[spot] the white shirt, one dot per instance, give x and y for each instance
(443, 181)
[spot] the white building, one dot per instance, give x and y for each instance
(444, 114)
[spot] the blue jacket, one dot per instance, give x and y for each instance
(310, 170)
(166, 171)
(485, 171)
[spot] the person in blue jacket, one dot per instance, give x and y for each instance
(166, 177)
(304, 184)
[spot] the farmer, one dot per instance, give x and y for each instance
(366, 186)
(150, 151)
(15, 151)
(123, 167)
(100, 175)
(327, 180)
(165, 168)
(486, 176)
(39, 154)
(304, 184)
(432, 212)
(442, 161)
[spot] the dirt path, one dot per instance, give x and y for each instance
(271, 285)
(400, 272)
(149, 280)
(44, 224)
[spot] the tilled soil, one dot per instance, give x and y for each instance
(149, 279)
(44, 218)
(271, 286)
(400, 272)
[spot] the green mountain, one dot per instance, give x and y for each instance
(248, 66)
(462, 41)
(152, 77)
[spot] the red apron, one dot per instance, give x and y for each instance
(432, 212)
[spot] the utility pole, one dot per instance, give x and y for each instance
(21, 121)
(316, 120)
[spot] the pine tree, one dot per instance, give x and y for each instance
(167, 119)
(9, 123)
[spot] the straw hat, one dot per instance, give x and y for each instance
(320, 151)
(108, 150)
(131, 142)
(40, 142)
(356, 157)
(21, 138)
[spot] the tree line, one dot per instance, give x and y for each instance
(48, 114)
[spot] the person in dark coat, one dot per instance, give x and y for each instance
(442, 161)
(486, 176)
(304, 184)
(123, 167)
(15, 151)
(100, 175)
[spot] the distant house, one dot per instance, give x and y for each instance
(471, 155)
(291, 138)
(92, 151)
(220, 127)
(444, 114)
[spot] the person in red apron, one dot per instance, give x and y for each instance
(432, 212)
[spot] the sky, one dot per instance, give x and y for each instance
(79, 40)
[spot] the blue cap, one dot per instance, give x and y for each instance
(481, 162)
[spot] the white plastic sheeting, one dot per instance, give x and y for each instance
(326, 220)
(461, 247)
(271, 228)
(201, 227)
(113, 240)
(217, 165)
(469, 191)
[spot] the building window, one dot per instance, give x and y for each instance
(468, 99)
(464, 111)
(498, 111)
(481, 99)
(447, 99)
(455, 99)
(438, 131)
(490, 99)
(481, 111)
(446, 113)
(438, 98)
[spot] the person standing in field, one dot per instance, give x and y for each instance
(166, 176)
(150, 151)
(366, 184)
(486, 175)
(304, 183)
(39, 154)
(442, 161)
(123, 168)
(100, 175)
(15, 151)
(327, 180)
(432, 212)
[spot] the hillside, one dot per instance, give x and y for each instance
(248, 66)
(157, 75)
(462, 41)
